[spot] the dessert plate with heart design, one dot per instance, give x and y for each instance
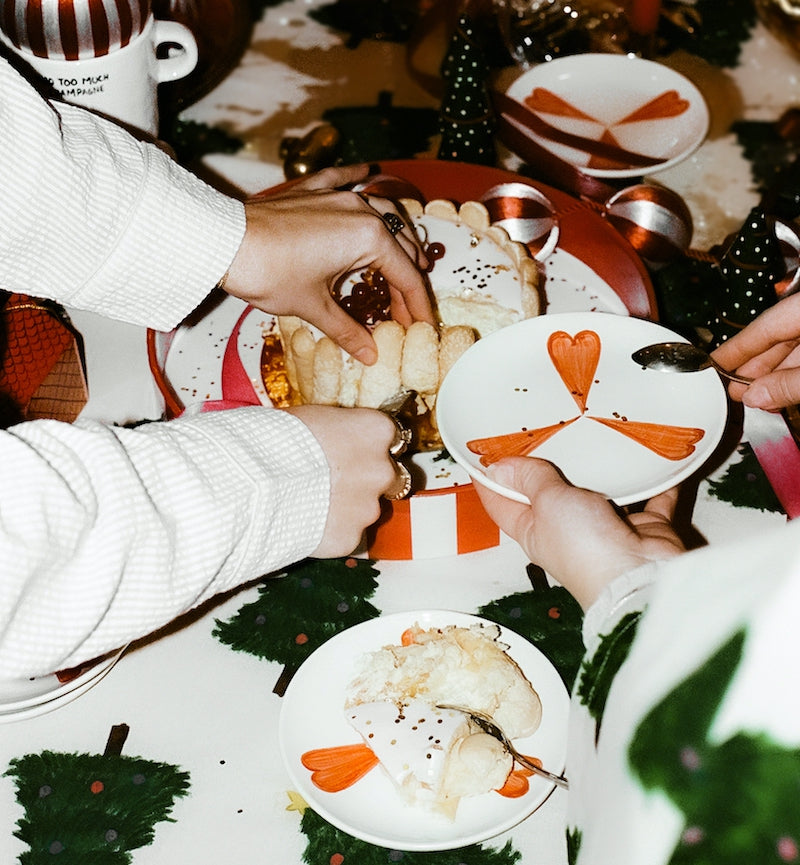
(563, 387)
(610, 115)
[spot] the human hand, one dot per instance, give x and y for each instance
(767, 350)
(356, 445)
(576, 535)
(302, 240)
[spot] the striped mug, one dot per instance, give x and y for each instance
(106, 55)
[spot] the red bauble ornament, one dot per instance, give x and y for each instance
(654, 220)
(526, 214)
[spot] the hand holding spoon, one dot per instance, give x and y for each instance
(681, 357)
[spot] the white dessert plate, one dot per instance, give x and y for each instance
(312, 716)
(28, 698)
(509, 385)
(584, 102)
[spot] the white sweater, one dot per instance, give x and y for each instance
(106, 533)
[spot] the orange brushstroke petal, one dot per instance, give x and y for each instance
(605, 162)
(667, 104)
(671, 442)
(516, 444)
(544, 100)
(575, 359)
(336, 769)
(516, 785)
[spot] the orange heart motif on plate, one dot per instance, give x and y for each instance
(669, 104)
(575, 359)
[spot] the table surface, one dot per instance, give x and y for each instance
(190, 700)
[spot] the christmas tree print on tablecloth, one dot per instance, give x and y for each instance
(738, 796)
(328, 845)
(466, 118)
(372, 133)
(550, 618)
(745, 485)
(92, 809)
(295, 614)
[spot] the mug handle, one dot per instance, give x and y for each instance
(181, 63)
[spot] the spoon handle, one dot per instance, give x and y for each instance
(739, 379)
(560, 780)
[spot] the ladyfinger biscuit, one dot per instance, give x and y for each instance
(327, 371)
(352, 370)
(453, 342)
(382, 379)
(287, 325)
(303, 350)
(531, 299)
(419, 370)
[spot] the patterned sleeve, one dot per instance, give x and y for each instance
(685, 732)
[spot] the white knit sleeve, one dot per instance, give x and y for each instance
(140, 525)
(97, 220)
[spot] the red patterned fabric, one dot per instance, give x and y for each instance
(40, 367)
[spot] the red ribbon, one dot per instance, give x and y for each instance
(550, 168)
(531, 121)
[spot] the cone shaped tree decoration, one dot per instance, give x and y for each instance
(466, 119)
(750, 268)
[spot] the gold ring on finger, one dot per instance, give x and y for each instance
(402, 437)
(401, 486)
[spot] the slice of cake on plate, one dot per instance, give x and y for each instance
(434, 756)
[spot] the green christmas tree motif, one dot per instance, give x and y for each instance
(295, 614)
(745, 485)
(382, 20)
(378, 132)
(328, 845)
(92, 809)
(551, 619)
(574, 838)
(724, 26)
(738, 796)
(597, 674)
(771, 147)
(750, 268)
(466, 118)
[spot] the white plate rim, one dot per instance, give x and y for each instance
(575, 321)
(387, 629)
(522, 85)
(62, 693)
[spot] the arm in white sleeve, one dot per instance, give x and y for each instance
(97, 220)
(110, 532)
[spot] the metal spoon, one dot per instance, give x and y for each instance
(488, 726)
(681, 357)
